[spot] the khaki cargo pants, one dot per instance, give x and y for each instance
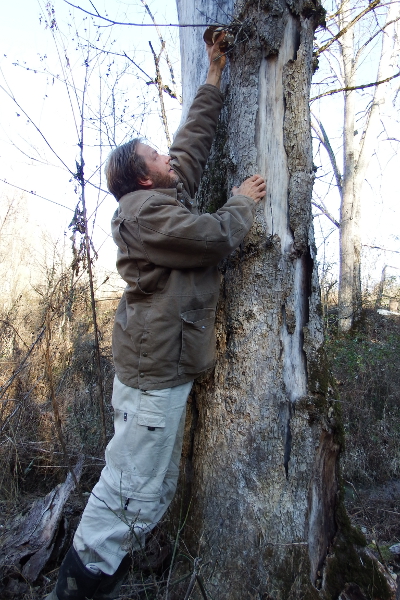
(139, 480)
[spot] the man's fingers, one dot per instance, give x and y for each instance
(253, 187)
(258, 179)
(220, 37)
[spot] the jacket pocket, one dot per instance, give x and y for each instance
(198, 341)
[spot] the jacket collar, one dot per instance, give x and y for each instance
(179, 193)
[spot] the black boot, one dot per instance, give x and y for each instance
(110, 585)
(75, 581)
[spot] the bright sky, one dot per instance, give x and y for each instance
(381, 190)
(39, 133)
(37, 61)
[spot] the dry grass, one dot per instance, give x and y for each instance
(31, 453)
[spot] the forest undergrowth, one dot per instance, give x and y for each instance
(366, 366)
(50, 416)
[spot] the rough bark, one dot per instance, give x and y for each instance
(263, 441)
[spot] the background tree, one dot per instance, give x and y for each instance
(355, 30)
(263, 461)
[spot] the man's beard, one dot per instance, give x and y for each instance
(164, 181)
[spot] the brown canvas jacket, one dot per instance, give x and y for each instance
(168, 255)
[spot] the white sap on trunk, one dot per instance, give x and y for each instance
(272, 164)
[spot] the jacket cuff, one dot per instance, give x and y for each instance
(246, 200)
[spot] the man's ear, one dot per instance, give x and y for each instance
(145, 182)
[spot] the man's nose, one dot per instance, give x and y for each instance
(167, 159)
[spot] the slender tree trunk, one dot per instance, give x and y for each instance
(350, 242)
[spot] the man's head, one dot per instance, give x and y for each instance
(134, 166)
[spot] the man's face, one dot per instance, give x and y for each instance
(160, 174)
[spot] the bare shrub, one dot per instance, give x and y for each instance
(47, 357)
(367, 369)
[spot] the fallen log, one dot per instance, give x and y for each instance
(31, 536)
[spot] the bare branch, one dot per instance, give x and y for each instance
(54, 403)
(150, 80)
(171, 93)
(370, 133)
(323, 138)
(112, 22)
(326, 213)
(380, 30)
(21, 365)
(88, 242)
(11, 96)
(355, 87)
(160, 92)
(370, 7)
(383, 249)
(35, 194)
(165, 50)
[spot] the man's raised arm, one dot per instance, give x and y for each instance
(191, 147)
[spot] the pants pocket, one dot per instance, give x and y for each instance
(135, 449)
(150, 435)
(146, 425)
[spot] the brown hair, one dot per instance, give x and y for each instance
(123, 169)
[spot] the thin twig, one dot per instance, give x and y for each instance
(112, 22)
(380, 30)
(12, 97)
(159, 83)
(149, 81)
(81, 179)
(383, 249)
(371, 525)
(325, 212)
(57, 418)
(35, 194)
(10, 416)
(324, 139)
(355, 87)
(21, 365)
(392, 512)
(193, 578)
(180, 529)
(163, 46)
(201, 586)
(370, 7)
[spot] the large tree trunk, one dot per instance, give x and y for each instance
(263, 461)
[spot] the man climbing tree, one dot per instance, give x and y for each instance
(163, 335)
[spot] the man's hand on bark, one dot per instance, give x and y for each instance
(217, 61)
(254, 187)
